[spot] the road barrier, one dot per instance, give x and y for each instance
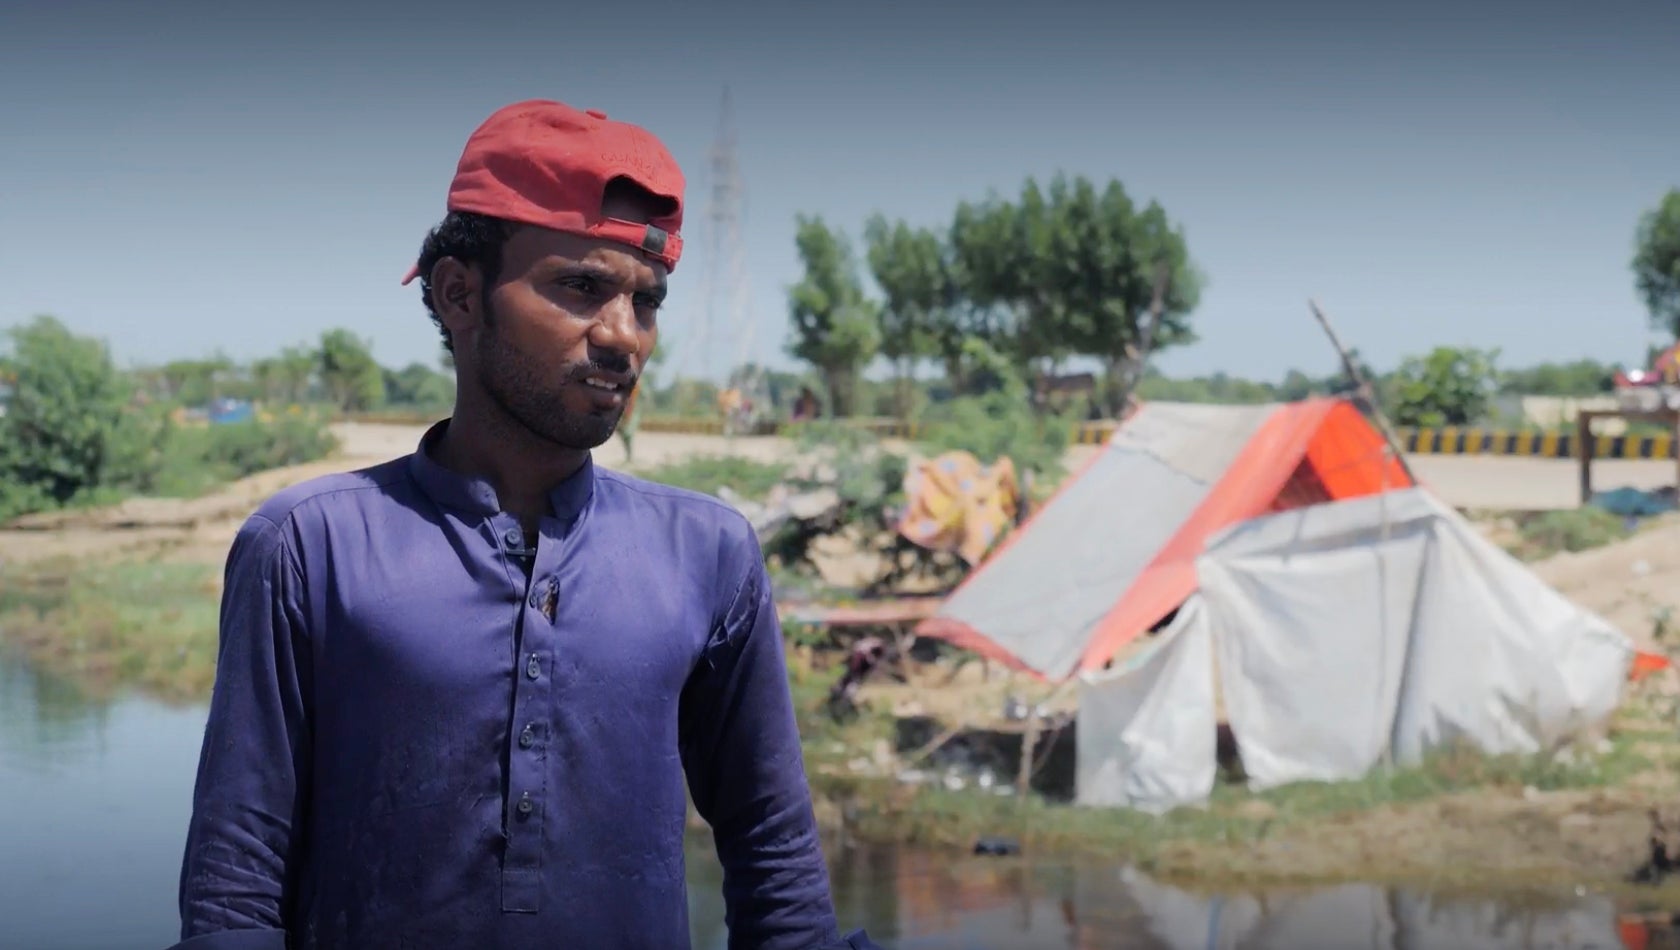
(1549, 445)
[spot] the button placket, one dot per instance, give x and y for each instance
(527, 776)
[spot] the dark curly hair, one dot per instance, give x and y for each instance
(469, 238)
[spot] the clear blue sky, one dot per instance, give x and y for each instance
(177, 178)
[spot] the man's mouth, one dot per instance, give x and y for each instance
(605, 385)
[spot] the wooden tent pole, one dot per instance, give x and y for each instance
(1365, 389)
(1368, 393)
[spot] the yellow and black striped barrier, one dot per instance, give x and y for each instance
(1094, 433)
(1420, 441)
(1548, 445)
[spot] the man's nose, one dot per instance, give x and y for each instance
(615, 326)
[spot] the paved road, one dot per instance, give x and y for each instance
(1528, 484)
(1465, 481)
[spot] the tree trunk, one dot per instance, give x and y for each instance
(1115, 385)
(839, 385)
(902, 397)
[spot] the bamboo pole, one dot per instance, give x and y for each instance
(1366, 392)
(1369, 395)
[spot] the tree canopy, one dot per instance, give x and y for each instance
(1656, 262)
(1062, 270)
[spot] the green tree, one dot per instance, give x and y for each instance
(989, 265)
(1656, 262)
(1003, 254)
(287, 378)
(420, 386)
(1071, 270)
(1578, 378)
(1448, 386)
(1000, 422)
(834, 326)
(913, 270)
(1113, 256)
(1297, 386)
(353, 379)
(196, 382)
(62, 436)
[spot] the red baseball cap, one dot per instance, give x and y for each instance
(545, 163)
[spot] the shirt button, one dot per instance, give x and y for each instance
(527, 737)
(533, 669)
(514, 538)
(524, 807)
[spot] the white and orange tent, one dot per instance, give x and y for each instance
(1292, 577)
(1113, 552)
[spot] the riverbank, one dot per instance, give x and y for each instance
(1461, 820)
(1581, 820)
(125, 598)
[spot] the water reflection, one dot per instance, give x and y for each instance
(914, 899)
(94, 801)
(44, 719)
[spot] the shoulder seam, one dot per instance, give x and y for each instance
(645, 487)
(329, 492)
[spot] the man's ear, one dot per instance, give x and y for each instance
(457, 295)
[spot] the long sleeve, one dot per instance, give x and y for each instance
(244, 837)
(746, 773)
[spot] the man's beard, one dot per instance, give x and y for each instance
(518, 386)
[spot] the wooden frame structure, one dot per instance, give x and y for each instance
(1586, 442)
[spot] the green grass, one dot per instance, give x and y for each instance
(1207, 842)
(148, 626)
(935, 815)
(707, 473)
(1576, 529)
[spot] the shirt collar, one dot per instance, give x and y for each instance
(474, 493)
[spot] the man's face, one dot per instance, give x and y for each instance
(565, 333)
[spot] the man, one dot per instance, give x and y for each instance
(458, 694)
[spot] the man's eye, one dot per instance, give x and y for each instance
(649, 302)
(582, 285)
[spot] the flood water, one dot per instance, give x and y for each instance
(94, 801)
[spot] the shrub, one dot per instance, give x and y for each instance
(999, 422)
(747, 477)
(190, 460)
(1578, 529)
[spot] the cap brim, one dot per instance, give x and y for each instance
(413, 272)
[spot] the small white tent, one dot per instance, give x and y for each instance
(1339, 634)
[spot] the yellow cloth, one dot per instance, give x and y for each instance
(953, 503)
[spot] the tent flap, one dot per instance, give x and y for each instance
(1151, 745)
(1383, 625)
